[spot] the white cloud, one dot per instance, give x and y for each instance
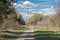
(26, 16)
(14, 4)
(29, 15)
(26, 4)
(48, 11)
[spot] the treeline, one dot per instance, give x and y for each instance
(42, 20)
(9, 18)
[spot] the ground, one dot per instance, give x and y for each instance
(27, 35)
(32, 34)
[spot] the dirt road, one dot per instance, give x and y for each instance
(27, 35)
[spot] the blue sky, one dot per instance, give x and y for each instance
(46, 7)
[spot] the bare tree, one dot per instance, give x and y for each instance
(57, 16)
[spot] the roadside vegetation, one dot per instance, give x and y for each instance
(9, 17)
(10, 34)
(12, 23)
(47, 35)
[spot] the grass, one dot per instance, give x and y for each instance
(4, 34)
(47, 28)
(47, 35)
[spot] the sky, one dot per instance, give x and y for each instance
(46, 7)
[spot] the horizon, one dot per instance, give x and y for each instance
(45, 7)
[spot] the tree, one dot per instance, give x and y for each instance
(20, 19)
(35, 18)
(8, 15)
(56, 17)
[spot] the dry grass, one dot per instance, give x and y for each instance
(46, 28)
(47, 33)
(5, 35)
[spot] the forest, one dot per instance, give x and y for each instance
(12, 23)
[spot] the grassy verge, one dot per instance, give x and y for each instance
(4, 34)
(47, 35)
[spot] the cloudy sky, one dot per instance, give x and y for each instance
(46, 7)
